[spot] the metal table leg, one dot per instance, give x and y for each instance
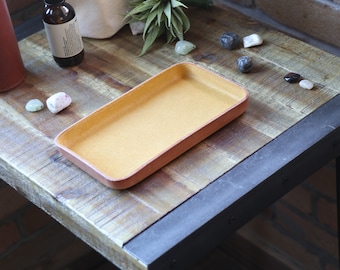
(337, 172)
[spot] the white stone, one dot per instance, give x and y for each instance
(183, 47)
(252, 40)
(137, 28)
(58, 102)
(306, 84)
(34, 105)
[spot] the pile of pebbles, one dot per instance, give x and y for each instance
(55, 103)
(232, 41)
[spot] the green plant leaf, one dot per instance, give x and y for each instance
(139, 9)
(177, 28)
(150, 38)
(167, 12)
(161, 16)
(184, 19)
(149, 21)
(155, 6)
(175, 3)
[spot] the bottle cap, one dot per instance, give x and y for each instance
(54, 2)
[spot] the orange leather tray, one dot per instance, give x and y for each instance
(136, 134)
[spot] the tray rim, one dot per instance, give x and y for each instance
(155, 163)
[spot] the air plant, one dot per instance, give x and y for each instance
(162, 17)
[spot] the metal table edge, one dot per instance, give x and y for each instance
(207, 218)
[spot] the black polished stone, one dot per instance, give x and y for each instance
(292, 77)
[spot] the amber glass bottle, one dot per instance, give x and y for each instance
(63, 33)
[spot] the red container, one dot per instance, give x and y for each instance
(12, 71)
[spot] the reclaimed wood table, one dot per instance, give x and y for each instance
(173, 217)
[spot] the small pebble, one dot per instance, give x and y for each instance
(34, 105)
(183, 47)
(306, 84)
(58, 102)
(292, 77)
(137, 28)
(252, 40)
(244, 64)
(230, 41)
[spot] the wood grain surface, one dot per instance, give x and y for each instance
(107, 219)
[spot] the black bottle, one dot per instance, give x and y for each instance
(63, 33)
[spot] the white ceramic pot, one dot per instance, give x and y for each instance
(100, 18)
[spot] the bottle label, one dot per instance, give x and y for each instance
(64, 39)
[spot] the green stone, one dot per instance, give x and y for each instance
(183, 47)
(34, 105)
